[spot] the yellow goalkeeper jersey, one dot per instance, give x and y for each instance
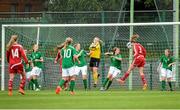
(95, 51)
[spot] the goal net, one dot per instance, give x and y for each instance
(155, 37)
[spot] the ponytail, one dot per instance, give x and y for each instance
(59, 47)
(134, 38)
(11, 42)
(67, 42)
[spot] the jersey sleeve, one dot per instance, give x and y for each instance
(23, 55)
(161, 59)
(119, 56)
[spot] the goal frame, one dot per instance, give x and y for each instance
(38, 26)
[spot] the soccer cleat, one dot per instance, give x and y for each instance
(120, 81)
(144, 87)
(58, 90)
(10, 93)
(21, 91)
(72, 92)
(102, 89)
(37, 89)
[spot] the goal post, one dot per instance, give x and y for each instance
(82, 32)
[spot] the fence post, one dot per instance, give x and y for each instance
(102, 48)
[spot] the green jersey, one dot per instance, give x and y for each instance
(81, 58)
(116, 63)
(29, 68)
(67, 56)
(166, 61)
(37, 56)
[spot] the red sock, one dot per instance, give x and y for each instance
(143, 79)
(22, 84)
(10, 85)
(125, 76)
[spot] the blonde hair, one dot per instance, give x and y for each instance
(67, 42)
(34, 46)
(11, 41)
(59, 47)
(134, 38)
(75, 45)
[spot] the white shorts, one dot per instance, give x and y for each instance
(166, 73)
(36, 71)
(68, 72)
(83, 70)
(114, 71)
(28, 74)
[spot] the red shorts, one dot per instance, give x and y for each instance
(16, 69)
(139, 61)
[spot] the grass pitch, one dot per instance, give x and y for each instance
(91, 99)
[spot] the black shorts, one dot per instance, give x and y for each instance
(94, 62)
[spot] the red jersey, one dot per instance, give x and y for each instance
(14, 55)
(138, 50)
(58, 56)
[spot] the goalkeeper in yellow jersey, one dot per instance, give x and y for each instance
(95, 55)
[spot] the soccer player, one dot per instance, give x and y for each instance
(68, 54)
(14, 54)
(95, 54)
(28, 70)
(37, 60)
(166, 62)
(138, 61)
(58, 57)
(81, 65)
(115, 68)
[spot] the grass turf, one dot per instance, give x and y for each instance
(92, 99)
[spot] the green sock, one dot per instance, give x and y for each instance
(163, 85)
(36, 83)
(85, 83)
(61, 83)
(31, 82)
(72, 85)
(105, 82)
(170, 85)
(109, 84)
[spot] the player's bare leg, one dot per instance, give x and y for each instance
(22, 83)
(141, 72)
(10, 84)
(126, 75)
(95, 75)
